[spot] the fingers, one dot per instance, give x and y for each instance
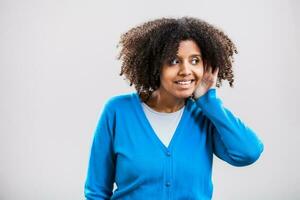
(211, 72)
(216, 71)
(209, 78)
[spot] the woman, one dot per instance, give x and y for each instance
(158, 142)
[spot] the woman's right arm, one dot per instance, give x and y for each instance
(101, 168)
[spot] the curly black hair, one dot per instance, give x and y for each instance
(147, 46)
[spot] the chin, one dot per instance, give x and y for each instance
(184, 94)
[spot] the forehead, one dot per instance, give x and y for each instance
(188, 47)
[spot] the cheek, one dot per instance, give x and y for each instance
(199, 74)
(167, 75)
(166, 81)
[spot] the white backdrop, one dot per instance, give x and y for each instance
(58, 66)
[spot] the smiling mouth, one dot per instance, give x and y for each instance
(184, 82)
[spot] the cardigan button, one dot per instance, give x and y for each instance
(168, 153)
(168, 184)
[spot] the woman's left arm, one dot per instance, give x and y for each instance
(233, 141)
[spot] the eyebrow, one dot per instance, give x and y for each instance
(191, 55)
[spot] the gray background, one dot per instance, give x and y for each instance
(58, 66)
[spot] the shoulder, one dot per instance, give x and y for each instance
(120, 100)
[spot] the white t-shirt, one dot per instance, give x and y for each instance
(164, 124)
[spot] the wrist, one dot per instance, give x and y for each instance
(197, 95)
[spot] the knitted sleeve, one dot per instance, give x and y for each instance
(101, 167)
(233, 141)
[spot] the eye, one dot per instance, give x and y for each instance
(174, 61)
(195, 61)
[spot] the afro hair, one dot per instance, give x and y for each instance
(146, 47)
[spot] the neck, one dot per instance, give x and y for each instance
(162, 102)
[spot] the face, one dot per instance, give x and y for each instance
(180, 76)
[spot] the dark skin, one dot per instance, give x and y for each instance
(188, 67)
(208, 82)
(146, 47)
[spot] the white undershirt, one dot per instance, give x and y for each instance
(164, 124)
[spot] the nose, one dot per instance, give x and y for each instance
(184, 69)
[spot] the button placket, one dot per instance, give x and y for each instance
(168, 155)
(168, 184)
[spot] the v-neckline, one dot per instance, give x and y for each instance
(150, 130)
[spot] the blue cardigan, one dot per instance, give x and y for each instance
(126, 150)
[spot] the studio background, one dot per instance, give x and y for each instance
(58, 66)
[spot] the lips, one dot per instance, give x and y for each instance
(184, 81)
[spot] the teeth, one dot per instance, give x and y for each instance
(184, 82)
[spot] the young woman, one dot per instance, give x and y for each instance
(158, 143)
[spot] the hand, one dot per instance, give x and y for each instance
(208, 81)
